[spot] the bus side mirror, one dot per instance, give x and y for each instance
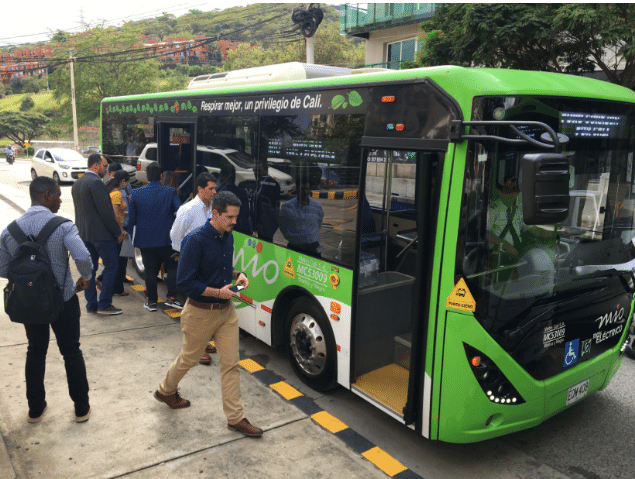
(545, 188)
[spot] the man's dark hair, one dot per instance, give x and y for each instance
(154, 172)
(224, 199)
(228, 172)
(203, 179)
(92, 159)
(114, 166)
(40, 186)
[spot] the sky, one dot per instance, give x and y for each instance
(36, 20)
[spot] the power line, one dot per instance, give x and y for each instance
(104, 58)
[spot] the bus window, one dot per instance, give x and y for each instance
(125, 137)
(320, 154)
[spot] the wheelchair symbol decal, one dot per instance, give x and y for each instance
(571, 350)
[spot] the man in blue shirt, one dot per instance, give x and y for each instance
(151, 212)
(205, 275)
(45, 202)
(301, 219)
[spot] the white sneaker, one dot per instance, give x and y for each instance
(150, 306)
(174, 303)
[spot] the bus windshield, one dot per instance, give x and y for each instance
(519, 272)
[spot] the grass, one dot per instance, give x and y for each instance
(43, 101)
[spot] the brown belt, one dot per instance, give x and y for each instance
(196, 304)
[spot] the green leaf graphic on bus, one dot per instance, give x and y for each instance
(355, 99)
(338, 100)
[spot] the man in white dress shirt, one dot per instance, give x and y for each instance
(191, 216)
(194, 214)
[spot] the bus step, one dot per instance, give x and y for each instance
(403, 344)
(387, 385)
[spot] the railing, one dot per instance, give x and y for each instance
(356, 16)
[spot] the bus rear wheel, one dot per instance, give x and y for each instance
(311, 345)
(137, 263)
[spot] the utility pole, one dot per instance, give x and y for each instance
(75, 136)
(310, 45)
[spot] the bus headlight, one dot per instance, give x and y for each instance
(493, 382)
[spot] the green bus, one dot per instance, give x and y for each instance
(470, 268)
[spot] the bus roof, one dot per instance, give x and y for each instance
(291, 71)
(462, 83)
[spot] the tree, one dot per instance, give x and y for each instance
(99, 73)
(31, 85)
(27, 104)
(566, 38)
(22, 127)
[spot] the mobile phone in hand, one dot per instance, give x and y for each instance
(236, 288)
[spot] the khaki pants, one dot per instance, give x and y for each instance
(198, 325)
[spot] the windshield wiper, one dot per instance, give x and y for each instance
(604, 270)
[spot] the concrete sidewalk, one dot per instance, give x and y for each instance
(130, 433)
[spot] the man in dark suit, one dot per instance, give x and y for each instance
(151, 212)
(98, 228)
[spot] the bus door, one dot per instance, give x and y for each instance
(395, 212)
(176, 143)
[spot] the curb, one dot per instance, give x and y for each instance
(355, 441)
(6, 465)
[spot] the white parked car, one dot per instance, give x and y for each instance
(61, 164)
(214, 158)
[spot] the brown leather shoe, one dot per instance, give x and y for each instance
(205, 359)
(246, 428)
(210, 349)
(175, 401)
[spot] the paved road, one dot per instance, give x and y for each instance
(591, 440)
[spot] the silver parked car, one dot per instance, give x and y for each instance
(61, 164)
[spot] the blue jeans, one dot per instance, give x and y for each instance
(66, 330)
(107, 251)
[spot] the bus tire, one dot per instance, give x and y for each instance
(137, 263)
(629, 351)
(310, 345)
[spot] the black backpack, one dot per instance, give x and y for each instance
(33, 295)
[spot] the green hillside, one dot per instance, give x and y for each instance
(43, 101)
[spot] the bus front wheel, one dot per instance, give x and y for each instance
(311, 345)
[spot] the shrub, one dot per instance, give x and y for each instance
(27, 104)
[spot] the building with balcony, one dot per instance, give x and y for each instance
(390, 29)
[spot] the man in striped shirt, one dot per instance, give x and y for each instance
(45, 202)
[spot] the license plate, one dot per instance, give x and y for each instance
(79, 175)
(577, 392)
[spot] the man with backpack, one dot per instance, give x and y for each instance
(34, 256)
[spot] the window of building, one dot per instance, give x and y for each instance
(399, 51)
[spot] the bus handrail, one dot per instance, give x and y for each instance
(457, 129)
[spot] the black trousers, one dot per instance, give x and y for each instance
(152, 259)
(66, 330)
